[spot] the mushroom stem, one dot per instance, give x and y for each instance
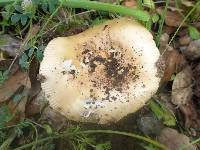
(138, 14)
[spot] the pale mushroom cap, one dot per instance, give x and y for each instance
(101, 74)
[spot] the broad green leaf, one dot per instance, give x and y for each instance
(23, 61)
(48, 129)
(149, 24)
(104, 146)
(39, 54)
(162, 113)
(31, 51)
(15, 18)
(149, 4)
(24, 19)
(44, 5)
(194, 33)
(155, 18)
(52, 5)
(18, 8)
(25, 123)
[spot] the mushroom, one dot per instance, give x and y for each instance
(101, 74)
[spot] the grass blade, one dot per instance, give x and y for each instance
(138, 14)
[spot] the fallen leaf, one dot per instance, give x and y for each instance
(165, 100)
(185, 40)
(193, 50)
(194, 33)
(12, 84)
(174, 140)
(162, 113)
(4, 65)
(173, 18)
(173, 60)
(192, 119)
(187, 3)
(197, 80)
(56, 120)
(9, 45)
(149, 125)
(182, 87)
(15, 106)
(35, 104)
(164, 39)
(169, 30)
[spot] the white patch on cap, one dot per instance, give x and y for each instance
(68, 66)
(86, 113)
(90, 105)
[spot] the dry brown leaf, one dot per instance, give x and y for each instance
(182, 87)
(130, 3)
(193, 50)
(10, 45)
(165, 100)
(185, 40)
(55, 119)
(4, 65)
(12, 84)
(187, 3)
(36, 104)
(164, 39)
(172, 62)
(169, 30)
(174, 140)
(192, 119)
(173, 18)
(197, 80)
(17, 107)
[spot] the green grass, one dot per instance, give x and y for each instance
(137, 13)
(67, 135)
(161, 23)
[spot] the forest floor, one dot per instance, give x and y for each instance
(170, 120)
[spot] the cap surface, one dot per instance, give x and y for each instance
(101, 74)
